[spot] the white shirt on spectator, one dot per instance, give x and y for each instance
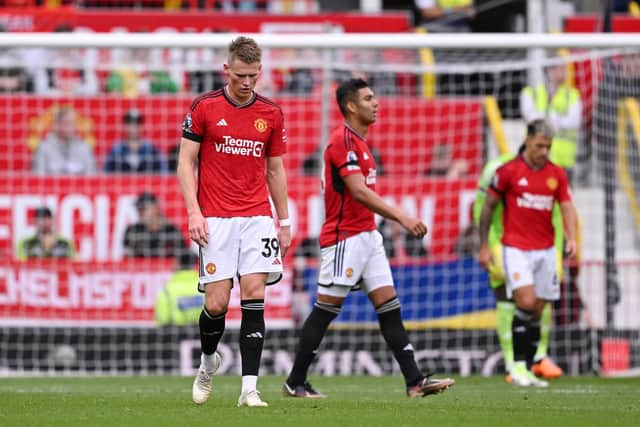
(54, 157)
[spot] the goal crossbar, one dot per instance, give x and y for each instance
(330, 41)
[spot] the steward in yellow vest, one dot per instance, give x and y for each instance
(179, 302)
(560, 103)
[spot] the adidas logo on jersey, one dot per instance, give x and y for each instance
(523, 182)
(276, 262)
(222, 122)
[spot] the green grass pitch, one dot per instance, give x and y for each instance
(352, 401)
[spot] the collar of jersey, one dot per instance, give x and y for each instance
(236, 104)
(348, 126)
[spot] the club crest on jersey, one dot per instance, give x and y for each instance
(260, 125)
(211, 268)
(349, 272)
(552, 183)
(516, 276)
(187, 122)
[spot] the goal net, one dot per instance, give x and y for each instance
(444, 112)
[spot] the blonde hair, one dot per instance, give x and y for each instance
(245, 49)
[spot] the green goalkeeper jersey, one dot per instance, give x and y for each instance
(495, 230)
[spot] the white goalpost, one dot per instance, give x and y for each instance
(448, 104)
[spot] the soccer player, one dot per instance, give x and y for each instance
(238, 137)
(528, 186)
(352, 253)
(543, 365)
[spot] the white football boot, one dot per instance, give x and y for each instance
(203, 383)
(252, 399)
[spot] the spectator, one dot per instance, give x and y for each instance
(45, 243)
(153, 236)
(135, 154)
(444, 165)
(62, 151)
(558, 101)
(179, 303)
(446, 16)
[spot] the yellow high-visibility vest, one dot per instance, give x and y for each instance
(449, 4)
(565, 142)
(179, 302)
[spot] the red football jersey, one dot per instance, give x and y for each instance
(235, 141)
(529, 195)
(346, 153)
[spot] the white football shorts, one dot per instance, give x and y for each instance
(239, 246)
(532, 267)
(358, 261)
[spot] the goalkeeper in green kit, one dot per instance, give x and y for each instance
(543, 365)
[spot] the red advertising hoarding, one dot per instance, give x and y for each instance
(65, 293)
(44, 19)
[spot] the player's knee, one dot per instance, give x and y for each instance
(215, 307)
(526, 302)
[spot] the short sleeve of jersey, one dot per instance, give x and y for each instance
(562, 193)
(500, 181)
(278, 141)
(346, 161)
(193, 125)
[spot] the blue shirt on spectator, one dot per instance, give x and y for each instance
(146, 159)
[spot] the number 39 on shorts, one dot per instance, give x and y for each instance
(271, 247)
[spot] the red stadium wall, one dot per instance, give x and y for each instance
(43, 19)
